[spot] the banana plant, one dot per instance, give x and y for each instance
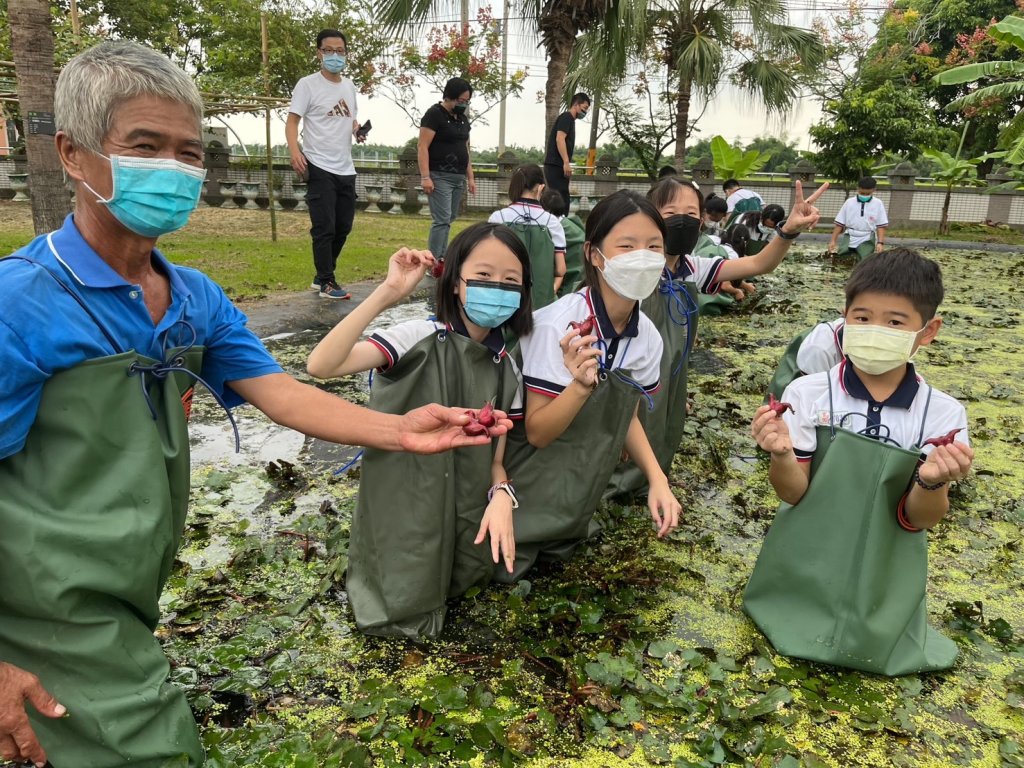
(733, 163)
(952, 171)
(1011, 74)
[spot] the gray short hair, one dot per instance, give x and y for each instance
(96, 82)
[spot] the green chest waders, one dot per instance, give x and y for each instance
(787, 370)
(539, 245)
(838, 580)
(91, 515)
(712, 305)
(754, 247)
(673, 310)
(560, 486)
(861, 252)
(574, 237)
(411, 546)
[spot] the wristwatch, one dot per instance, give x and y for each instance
(786, 235)
(507, 488)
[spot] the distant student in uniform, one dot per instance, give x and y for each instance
(842, 573)
(812, 351)
(860, 224)
(420, 527)
(541, 232)
(553, 203)
(740, 200)
(761, 226)
(583, 391)
(715, 210)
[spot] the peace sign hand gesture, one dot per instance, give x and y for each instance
(804, 215)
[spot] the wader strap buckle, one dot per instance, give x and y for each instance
(176, 364)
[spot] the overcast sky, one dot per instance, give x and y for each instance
(731, 114)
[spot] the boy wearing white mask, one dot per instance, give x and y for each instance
(864, 456)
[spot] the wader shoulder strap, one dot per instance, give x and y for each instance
(924, 417)
(81, 302)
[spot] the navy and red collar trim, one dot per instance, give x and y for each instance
(494, 341)
(903, 397)
(606, 330)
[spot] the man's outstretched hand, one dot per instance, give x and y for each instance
(435, 428)
(18, 741)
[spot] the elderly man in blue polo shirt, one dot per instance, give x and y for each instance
(101, 343)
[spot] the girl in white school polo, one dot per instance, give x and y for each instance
(585, 385)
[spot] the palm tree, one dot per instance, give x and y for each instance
(557, 21)
(32, 47)
(704, 44)
(1011, 31)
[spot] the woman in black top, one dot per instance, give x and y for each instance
(443, 154)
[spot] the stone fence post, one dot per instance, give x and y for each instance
(999, 202)
(409, 173)
(901, 191)
(507, 164)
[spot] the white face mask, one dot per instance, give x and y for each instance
(633, 275)
(875, 349)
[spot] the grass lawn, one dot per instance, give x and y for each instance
(234, 247)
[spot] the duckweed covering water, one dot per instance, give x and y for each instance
(636, 653)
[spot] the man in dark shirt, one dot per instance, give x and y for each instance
(558, 160)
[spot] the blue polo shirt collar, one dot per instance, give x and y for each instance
(903, 397)
(89, 269)
(604, 322)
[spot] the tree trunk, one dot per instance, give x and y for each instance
(944, 219)
(682, 122)
(32, 46)
(558, 42)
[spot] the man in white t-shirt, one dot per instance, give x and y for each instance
(325, 102)
(862, 222)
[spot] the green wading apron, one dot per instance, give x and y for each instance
(838, 580)
(411, 546)
(560, 486)
(539, 245)
(861, 252)
(787, 369)
(754, 247)
(673, 310)
(91, 516)
(711, 305)
(574, 237)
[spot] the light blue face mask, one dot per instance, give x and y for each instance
(863, 198)
(489, 304)
(334, 63)
(152, 196)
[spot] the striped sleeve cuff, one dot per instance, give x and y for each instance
(803, 456)
(542, 387)
(385, 347)
(712, 283)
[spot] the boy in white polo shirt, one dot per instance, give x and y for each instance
(862, 461)
(862, 222)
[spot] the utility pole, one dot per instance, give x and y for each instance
(464, 15)
(270, 158)
(504, 77)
